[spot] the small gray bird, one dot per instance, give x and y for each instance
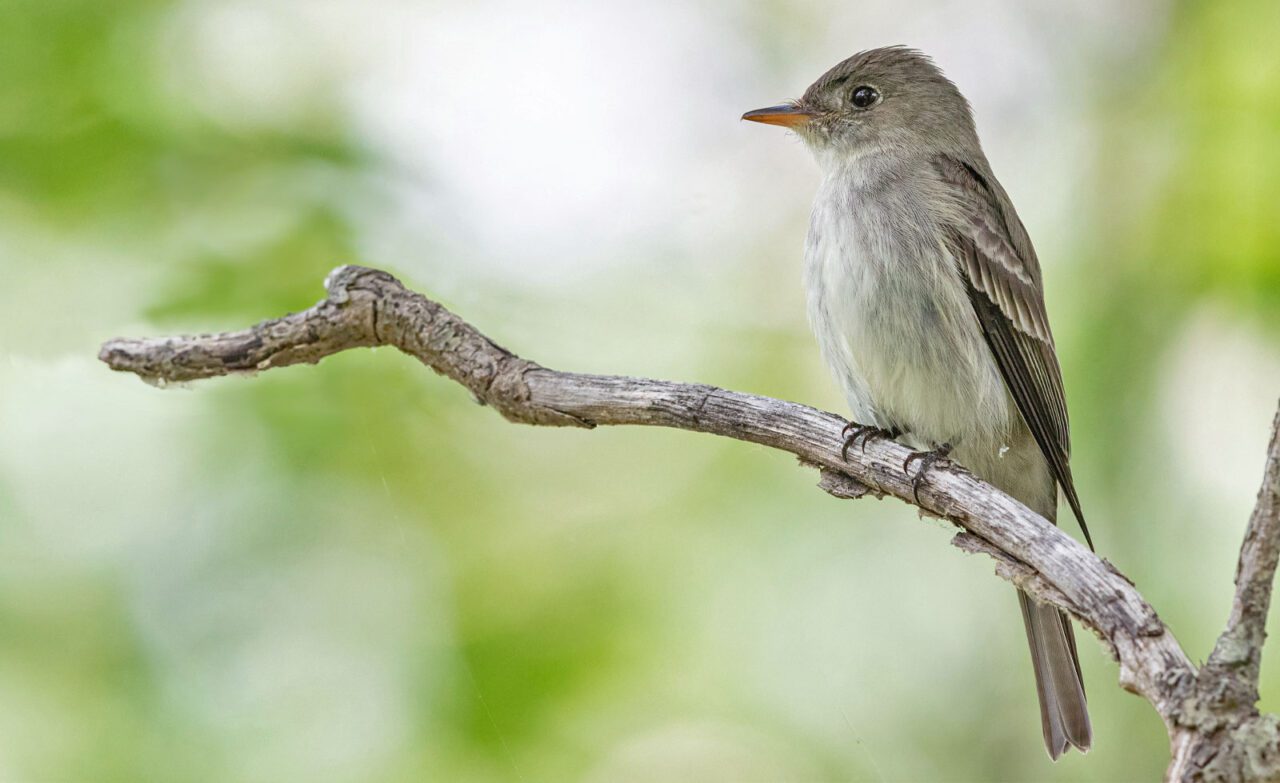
(926, 298)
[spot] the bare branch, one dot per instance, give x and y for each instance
(367, 307)
(1239, 649)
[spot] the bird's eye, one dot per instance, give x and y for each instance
(864, 96)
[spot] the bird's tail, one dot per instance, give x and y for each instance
(1064, 714)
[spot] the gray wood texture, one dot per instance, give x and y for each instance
(1209, 711)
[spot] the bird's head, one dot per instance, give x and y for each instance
(877, 100)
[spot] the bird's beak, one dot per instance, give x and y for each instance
(788, 115)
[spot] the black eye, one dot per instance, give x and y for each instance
(864, 96)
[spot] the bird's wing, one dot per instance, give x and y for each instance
(1003, 277)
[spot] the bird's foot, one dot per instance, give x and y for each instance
(853, 431)
(927, 460)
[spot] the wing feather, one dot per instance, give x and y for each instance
(1003, 278)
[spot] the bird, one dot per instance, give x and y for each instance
(927, 301)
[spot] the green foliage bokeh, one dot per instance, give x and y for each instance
(351, 572)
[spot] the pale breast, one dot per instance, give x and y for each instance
(892, 316)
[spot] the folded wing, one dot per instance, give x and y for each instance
(1003, 278)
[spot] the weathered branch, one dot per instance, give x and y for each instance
(367, 307)
(1240, 645)
(1221, 715)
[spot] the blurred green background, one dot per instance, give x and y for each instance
(352, 573)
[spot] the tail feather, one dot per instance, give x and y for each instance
(1064, 712)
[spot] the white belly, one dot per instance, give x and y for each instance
(895, 325)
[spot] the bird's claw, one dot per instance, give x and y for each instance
(853, 431)
(927, 460)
